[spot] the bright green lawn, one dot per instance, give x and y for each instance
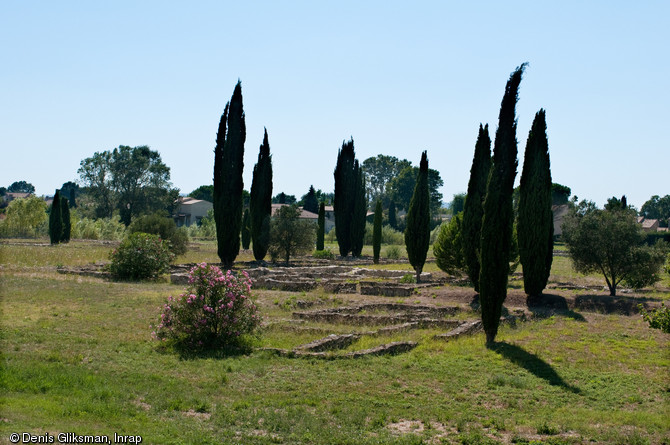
(77, 356)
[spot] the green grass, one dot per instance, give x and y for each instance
(77, 355)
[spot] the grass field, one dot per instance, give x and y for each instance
(77, 356)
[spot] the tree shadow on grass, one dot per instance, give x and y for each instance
(531, 363)
(188, 352)
(547, 305)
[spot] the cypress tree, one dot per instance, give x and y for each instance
(392, 216)
(360, 212)
(473, 210)
(67, 224)
(260, 204)
(535, 226)
(320, 234)
(417, 232)
(377, 232)
(56, 220)
(246, 231)
(228, 184)
(343, 202)
(498, 221)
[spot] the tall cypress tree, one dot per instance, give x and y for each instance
(67, 224)
(260, 204)
(320, 233)
(535, 226)
(246, 230)
(498, 221)
(56, 220)
(377, 232)
(473, 210)
(343, 202)
(417, 232)
(392, 216)
(228, 184)
(360, 212)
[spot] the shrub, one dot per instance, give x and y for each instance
(216, 310)
(141, 255)
(325, 254)
(658, 318)
(393, 252)
(408, 278)
(163, 226)
(25, 217)
(448, 247)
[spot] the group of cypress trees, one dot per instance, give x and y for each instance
(488, 218)
(228, 184)
(350, 203)
(59, 220)
(417, 232)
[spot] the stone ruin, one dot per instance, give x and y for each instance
(392, 317)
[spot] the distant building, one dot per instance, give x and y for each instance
(11, 196)
(304, 214)
(190, 211)
(650, 225)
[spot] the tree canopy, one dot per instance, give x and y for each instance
(611, 242)
(21, 187)
(401, 188)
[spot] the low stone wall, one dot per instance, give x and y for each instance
(329, 343)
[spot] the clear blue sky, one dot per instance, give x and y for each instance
(400, 77)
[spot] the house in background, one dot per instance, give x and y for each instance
(304, 214)
(190, 211)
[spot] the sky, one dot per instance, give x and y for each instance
(399, 77)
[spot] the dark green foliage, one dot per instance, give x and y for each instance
(401, 188)
(612, 243)
(246, 231)
(657, 208)
(417, 233)
(498, 220)
(260, 203)
(321, 230)
(228, 184)
(473, 208)
(615, 203)
(458, 203)
(21, 187)
(310, 202)
(204, 193)
(290, 235)
(379, 171)
(377, 232)
(283, 198)
(56, 220)
(67, 223)
(140, 256)
(393, 221)
(560, 194)
(360, 211)
(345, 183)
(535, 227)
(449, 246)
(165, 228)
(70, 190)
(658, 318)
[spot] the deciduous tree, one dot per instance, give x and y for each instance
(290, 235)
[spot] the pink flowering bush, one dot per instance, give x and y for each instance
(216, 310)
(140, 256)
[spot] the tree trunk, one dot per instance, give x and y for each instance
(418, 276)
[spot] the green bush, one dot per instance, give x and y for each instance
(99, 229)
(448, 247)
(325, 254)
(658, 318)
(408, 278)
(393, 252)
(163, 226)
(141, 255)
